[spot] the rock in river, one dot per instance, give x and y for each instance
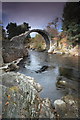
(63, 82)
(44, 68)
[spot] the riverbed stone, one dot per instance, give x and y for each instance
(72, 103)
(67, 106)
(67, 84)
(21, 99)
(60, 107)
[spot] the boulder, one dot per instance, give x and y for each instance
(14, 49)
(72, 104)
(44, 68)
(67, 107)
(69, 85)
(60, 107)
(21, 98)
(61, 83)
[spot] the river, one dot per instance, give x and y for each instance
(60, 65)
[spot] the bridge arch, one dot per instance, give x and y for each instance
(44, 34)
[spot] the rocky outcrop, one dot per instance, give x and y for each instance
(65, 50)
(21, 98)
(14, 49)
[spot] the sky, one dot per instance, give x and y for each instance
(37, 14)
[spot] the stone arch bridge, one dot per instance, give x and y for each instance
(20, 39)
(15, 48)
(44, 34)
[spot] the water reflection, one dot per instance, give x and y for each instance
(34, 63)
(69, 73)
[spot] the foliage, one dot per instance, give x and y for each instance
(13, 29)
(71, 21)
(38, 42)
(54, 23)
(52, 27)
(52, 31)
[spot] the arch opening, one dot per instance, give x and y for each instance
(37, 41)
(43, 33)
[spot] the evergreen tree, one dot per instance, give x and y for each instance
(71, 21)
(13, 29)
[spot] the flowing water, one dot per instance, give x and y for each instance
(59, 65)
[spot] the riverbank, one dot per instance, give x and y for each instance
(73, 51)
(18, 86)
(65, 87)
(20, 98)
